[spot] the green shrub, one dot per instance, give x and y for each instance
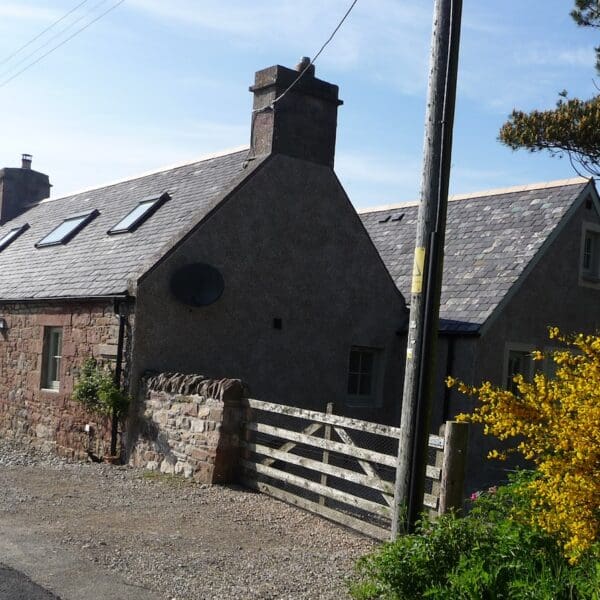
(96, 390)
(484, 555)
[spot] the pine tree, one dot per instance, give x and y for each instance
(572, 128)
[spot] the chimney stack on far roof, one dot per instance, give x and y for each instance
(20, 189)
(293, 115)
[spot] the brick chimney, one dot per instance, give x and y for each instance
(302, 123)
(20, 189)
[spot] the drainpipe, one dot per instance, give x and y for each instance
(449, 368)
(118, 371)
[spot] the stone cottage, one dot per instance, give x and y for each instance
(250, 264)
(517, 260)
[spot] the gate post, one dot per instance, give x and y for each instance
(453, 466)
(228, 455)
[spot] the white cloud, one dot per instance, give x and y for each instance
(386, 39)
(550, 55)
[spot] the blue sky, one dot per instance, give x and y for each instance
(155, 83)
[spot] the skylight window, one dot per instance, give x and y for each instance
(12, 235)
(145, 209)
(68, 229)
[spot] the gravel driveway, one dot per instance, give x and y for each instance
(172, 537)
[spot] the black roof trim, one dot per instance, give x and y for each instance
(88, 217)
(160, 200)
(17, 232)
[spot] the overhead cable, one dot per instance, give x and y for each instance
(41, 33)
(310, 64)
(62, 43)
(51, 39)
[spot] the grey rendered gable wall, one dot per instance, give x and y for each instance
(550, 295)
(291, 247)
(588, 192)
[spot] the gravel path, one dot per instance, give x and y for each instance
(179, 539)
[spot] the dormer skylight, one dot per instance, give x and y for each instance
(145, 209)
(12, 235)
(68, 229)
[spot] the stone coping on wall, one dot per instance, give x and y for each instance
(190, 384)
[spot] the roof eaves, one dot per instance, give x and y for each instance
(82, 298)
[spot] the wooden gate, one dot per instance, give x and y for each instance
(338, 467)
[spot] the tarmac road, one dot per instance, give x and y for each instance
(27, 554)
(14, 585)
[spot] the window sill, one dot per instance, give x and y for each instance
(362, 402)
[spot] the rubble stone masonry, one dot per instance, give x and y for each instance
(49, 418)
(190, 426)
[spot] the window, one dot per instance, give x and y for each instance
(12, 235)
(68, 229)
(590, 254)
(146, 208)
(518, 362)
(52, 356)
(363, 380)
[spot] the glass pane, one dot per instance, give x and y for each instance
(365, 385)
(137, 213)
(353, 384)
(354, 361)
(53, 351)
(519, 362)
(366, 362)
(62, 231)
(587, 252)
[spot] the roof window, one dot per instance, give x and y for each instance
(68, 229)
(145, 209)
(12, 235)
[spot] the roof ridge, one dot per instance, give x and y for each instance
(483, 194)
(171, 167)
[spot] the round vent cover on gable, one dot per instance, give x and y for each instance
(197, 284)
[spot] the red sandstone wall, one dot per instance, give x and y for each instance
(48, 419)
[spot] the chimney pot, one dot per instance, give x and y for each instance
(304, 62)
(26, 161)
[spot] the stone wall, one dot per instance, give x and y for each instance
(49, 419)
(190, 426)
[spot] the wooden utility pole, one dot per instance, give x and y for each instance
(427, 271)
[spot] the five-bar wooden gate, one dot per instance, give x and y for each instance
(338, 467)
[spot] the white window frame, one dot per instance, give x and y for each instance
(589, 276)
(373, 399)
(521, 348)
(52, 358)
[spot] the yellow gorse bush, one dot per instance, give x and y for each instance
(556, 424)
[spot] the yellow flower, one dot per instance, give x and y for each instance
(556, 424)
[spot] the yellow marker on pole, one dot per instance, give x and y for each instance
(418, 266)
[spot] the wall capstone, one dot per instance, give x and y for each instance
(190, 426)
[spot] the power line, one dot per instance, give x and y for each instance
(6, 81)
(52, 38)
(39, 35)
(310, 64)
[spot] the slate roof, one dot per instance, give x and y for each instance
(96, 264)
(490, 239)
